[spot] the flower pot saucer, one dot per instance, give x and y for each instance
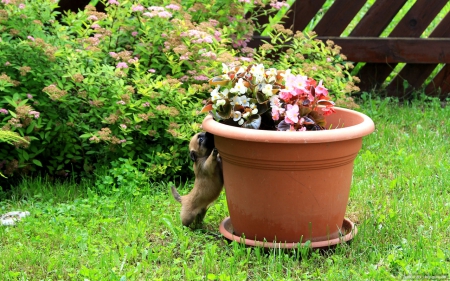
(348, 228)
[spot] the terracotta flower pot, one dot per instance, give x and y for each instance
(290, 186)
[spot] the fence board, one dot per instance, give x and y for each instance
(413, 24)
(304, 11)
(394, 50)
(416, 74)
(335, 19)
(381, 12)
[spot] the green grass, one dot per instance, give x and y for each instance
(400, 200)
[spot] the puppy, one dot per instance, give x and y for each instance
(208, 180)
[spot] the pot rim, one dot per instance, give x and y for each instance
(340, 134)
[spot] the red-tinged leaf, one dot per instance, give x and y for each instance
(207, 108)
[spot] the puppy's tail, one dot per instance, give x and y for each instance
(175, 194)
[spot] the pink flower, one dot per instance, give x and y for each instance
(146, 104)
(122, 65)
(123, 126)
(30, 38)
(152, 70)
(164, 14)
(122, 141)
(217, 35)
(296, 84)
(29, 96)
(291, 114)
(134, 60)
(213, 22)
(6, 2)
(173, 7)
(275, 113)
(201, 78)
(34, 113)
(7, 63)
(285, 95)
(184, 78)
(3, 111)
(21, 6)
(321, 91)
(138, 8)
(278, 5)
(95, 26)
(113, 2)
(134, 33)
(121, 102)
(92, 17)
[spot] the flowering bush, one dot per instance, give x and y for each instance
(291, 94)
(94, 86)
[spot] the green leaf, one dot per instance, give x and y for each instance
(37, 162)
(25, 155)
(30, 128)
(11, 102)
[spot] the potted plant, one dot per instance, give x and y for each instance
(287, 151)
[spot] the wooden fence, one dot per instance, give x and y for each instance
(381, 55)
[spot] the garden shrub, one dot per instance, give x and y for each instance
(95, 87)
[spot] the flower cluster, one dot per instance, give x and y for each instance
(267, 98)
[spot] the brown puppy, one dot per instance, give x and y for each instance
(208, 179)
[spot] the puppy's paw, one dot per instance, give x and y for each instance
(215, 152)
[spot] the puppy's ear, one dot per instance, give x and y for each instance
(193, 155)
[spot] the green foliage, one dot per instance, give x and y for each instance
(124, 178)
(96, 87)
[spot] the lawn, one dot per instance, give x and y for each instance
(400, 201)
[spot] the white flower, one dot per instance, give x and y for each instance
(237, 116)
(258, 73)
(225, 93)
(244, 100)
(271, 74)
(254, 108)
(267, 90)
(215, 94)
(225, 68)
(241, 121)
(239, 87)
(246, 115)
(220, 102)
(235, 100)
